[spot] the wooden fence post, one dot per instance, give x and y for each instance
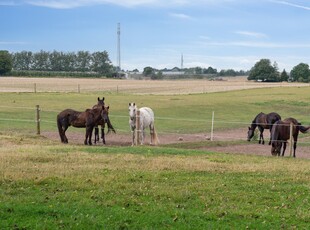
(137, 127)
(35, 87)
(212, 126)
(38, 119)
(79, 90)
(291, 138)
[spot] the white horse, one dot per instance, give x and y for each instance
(146, 120)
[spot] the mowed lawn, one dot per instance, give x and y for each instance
(49, 185)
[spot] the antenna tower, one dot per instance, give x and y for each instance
(119, 46)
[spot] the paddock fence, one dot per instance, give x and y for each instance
(211, 129)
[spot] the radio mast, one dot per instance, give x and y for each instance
(119, 46)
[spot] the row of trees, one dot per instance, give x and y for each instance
(81, 61)
(263, 70)
(99, 62)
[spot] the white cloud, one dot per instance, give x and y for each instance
(251, 34)
(292, 4)
(181, 16)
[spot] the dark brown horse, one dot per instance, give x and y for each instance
(280, 133)
(102, 124)
(262, 121)
(87, 119)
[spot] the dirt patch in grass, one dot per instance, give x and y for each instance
(231, 135)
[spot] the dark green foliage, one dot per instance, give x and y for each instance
(301, 73)
(148, 71)
(71, 62)
(5, 62)
(284, 76)
(264, 71)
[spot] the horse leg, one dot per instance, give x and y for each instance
(133, 138)
(269, 143)
(295, 145)
(96, 139)
(65, 139)
(102, 134)
(88, 135)
(142, 136)
(260, 134)
(152, 133)
(284, 148)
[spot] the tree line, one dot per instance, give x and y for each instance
(55, 61)
(85, 64)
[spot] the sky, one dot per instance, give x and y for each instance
(223, 34)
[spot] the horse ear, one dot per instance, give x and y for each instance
(98, 99)
(108, 107)
(249, 128)
(103, 98)
(134, 104)
(129, 104)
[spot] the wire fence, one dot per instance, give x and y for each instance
(208, 127)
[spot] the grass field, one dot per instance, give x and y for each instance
(47, 185)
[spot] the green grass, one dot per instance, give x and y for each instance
(55, 186)
(48, 185)
(173, 113)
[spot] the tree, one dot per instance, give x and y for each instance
(101, 63)
(284, 76)
(301, 73)
(148, 71)
(41, 61)
(6, 62)
(22, 60)
(263, 70)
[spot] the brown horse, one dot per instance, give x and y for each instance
(87, 119)
(262, 121)
(280, 133)
(102, 124)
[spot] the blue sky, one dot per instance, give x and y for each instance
(222, 34)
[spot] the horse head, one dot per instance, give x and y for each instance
(100, 101)
(105, 113)
(250, 133)
(276, 148)
(132, 111)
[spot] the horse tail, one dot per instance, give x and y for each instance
(303, 129)
(155, 137)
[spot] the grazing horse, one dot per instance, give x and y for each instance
(102, 123)
(87, 119)
(280, 133)
(146, 120)
(262, 121)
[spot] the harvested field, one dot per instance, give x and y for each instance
(164, 87)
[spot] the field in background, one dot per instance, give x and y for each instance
(16, 84)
